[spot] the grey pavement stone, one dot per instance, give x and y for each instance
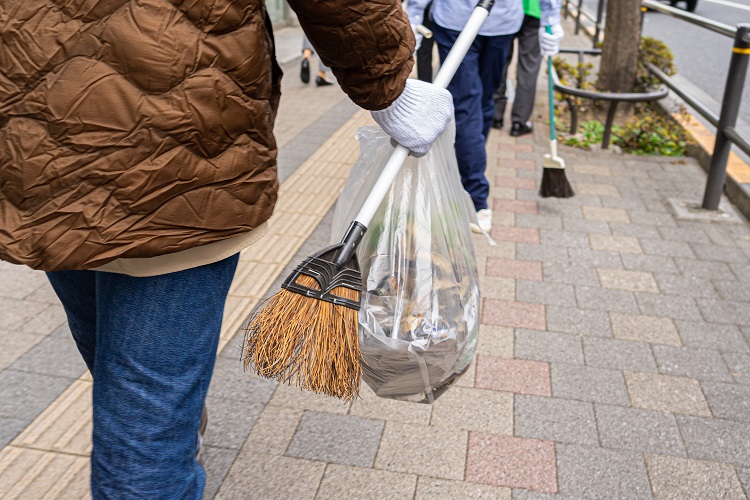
(585, 226)
(429, 488)
(687, 286)
(716, 439)
(605, 300)
(666, 248)
(271, 477)
(664, 393)
(556, 272)
(741, 271)
(16, 312)
(633, 281)
(650, 218)
(563, 238)
(539, 221)
(633, 230)
(744, 474)
(730, 401)
(527, 251)
(706, 251)
(578, 321)
(9, 429)
(24, 395)
(721, 337)
(339, 439)
(724, 311)
(545, 293)
(232, 383)
(615, 244)
(691, 235)
(649, 263)
(229, 424)
(342, 481)
(594, 258)
(14, 345)
(704, 269)
(668, 306)
(700, 364)
(216, 463)
(736, 291)
(638, 430)
(585, 383)
(625, 203)
(473, 409)
(548, 346)
(674, 478)
(589, 472)
(54, 356)
(555, 419)
(619, 354)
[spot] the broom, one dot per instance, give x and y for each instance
(308, 333)
(554, 181)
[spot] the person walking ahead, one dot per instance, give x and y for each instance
(479, 76)
(137, 159)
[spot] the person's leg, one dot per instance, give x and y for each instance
(529, 62)
(424, 53)
(307, 52)
(466, 89)
(501, 100)
(156, 347)
(77, 292)
(491, 61)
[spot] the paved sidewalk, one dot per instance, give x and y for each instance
(613, 360)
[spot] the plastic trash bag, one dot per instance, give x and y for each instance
(420, 308)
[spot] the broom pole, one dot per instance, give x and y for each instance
(551, 91)
(443, 78)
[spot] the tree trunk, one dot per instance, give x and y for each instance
(620, 50)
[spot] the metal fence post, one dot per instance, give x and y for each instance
(730, 105)
(578, 16)
(599, 17)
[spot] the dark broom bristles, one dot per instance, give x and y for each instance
(306, 342)
(555, 184)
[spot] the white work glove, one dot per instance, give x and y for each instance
(419, 36)
(549, 43)
(418, 117)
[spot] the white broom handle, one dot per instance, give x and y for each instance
(443, 78)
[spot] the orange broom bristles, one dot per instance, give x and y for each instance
(307, 342)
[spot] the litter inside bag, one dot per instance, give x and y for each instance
(420, 310)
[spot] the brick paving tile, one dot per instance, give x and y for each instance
(515, 206)
(564, 238)
(619, 354)
(515, 183)
(555, 272)
(721, 337)
(273, 430)
(724, 311)
(688, 286)
(585, 226)
(638, 430)
(515, 234)
(649, 263)
(370, 405)
(674, 478)
(585, 383)
(474, 409)
(704, 269)
(606, 214)
(591, 472)
(666, 248)
(559, 294)
(606, 299)
(619, 244)
(683, 234)
(555, 419)
(513, 375)
(744, 474)
(548, 346)
(733, 290)
(495, 341)
(519, 164)
(512, 462)
(578, 321)
(515, 314)
(634, 281)
(633, 230)
(670, 306)
(597, 189)
(739, 366)
(594, 258)
(439, 489)
(707, 251)
(716, 439)
(340, 481)
(730, 401)
(547, 222)
(269, 476)
(516, 269)
(700, 364)
(666, 393)
(644, 328)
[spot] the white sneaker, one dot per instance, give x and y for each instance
(484, 217)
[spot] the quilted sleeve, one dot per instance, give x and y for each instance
(368, 45)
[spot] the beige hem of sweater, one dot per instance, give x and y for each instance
(185, 259)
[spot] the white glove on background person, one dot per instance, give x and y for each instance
(419, 36)
(418, 117)
(549, 43)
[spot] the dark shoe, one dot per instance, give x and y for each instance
(498, 124)
(519, 128)
(304, 72)
(322, 82)
(201, 433)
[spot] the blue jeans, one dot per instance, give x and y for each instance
(150, 344)
(472, 87)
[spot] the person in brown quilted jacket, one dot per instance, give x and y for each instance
(137, 159)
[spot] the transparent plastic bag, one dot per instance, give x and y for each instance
(420, 309)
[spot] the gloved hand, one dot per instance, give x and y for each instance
(549, 43)
(418, 117)
(419, 36)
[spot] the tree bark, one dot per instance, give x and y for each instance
(622, 37)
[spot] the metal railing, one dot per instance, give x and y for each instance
(581, 14)
(726, 121)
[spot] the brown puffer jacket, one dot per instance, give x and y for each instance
(144, 127)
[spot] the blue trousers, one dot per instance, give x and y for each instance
(150, 344)
(472, 87)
